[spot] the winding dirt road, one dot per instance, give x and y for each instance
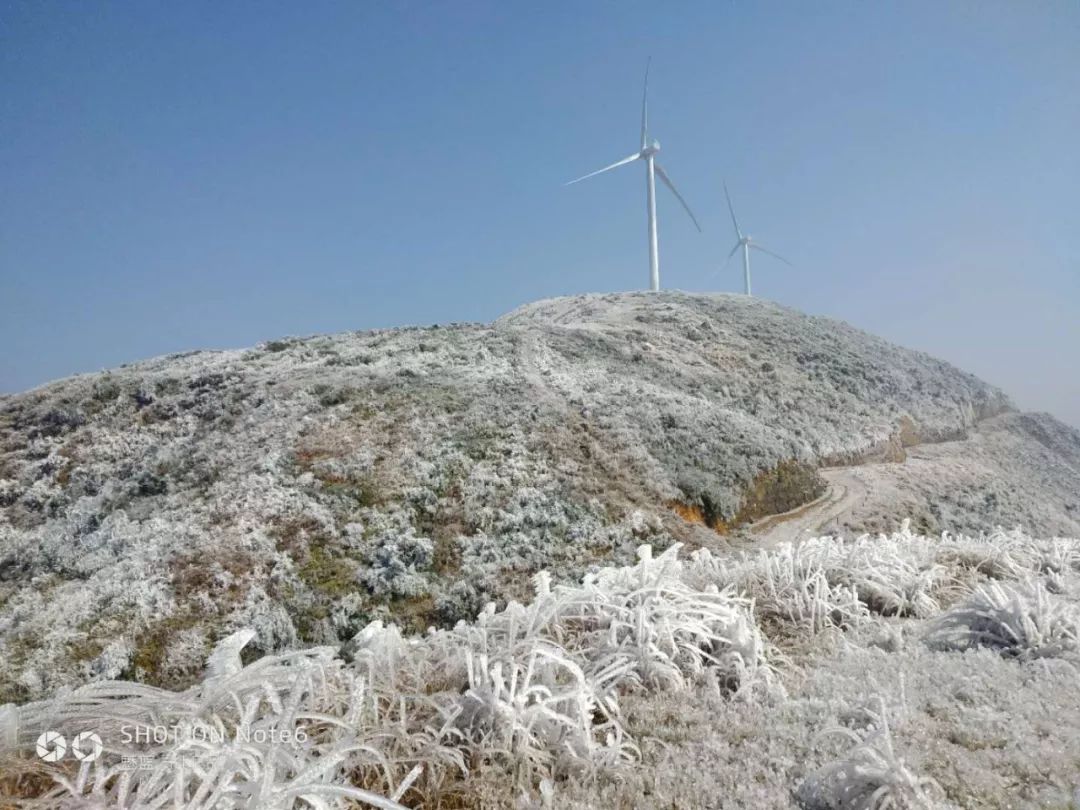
(847, 486)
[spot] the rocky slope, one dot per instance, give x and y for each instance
(307, 486)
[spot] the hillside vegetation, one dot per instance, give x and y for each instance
(310, 486)
(897, 672)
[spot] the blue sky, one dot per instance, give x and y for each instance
(209, 175)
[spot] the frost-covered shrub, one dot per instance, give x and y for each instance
(669, 632)
(1001, 555)
(1023, 621)
(1057, 556)
(537, 708)
(893, 575)
(828, 581)
(871, 776)
(792, 584)
(396, 564)
(461, 600)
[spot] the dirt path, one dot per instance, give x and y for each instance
(847, 486)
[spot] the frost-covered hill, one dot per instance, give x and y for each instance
(308, 486)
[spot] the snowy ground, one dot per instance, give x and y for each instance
(1013, 470)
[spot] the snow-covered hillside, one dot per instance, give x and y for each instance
(306, 487)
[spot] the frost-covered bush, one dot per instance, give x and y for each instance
(825, 582)
(667, 630)
(397, 563)
(1023, 621)
(792, 584)
(459, 601)
(1057, 558)
(538, 709)
(892, 575)
(870, 776)
(1001, 555)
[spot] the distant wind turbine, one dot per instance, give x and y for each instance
(648, 153)
(746, 243)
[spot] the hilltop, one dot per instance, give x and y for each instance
(307, 486)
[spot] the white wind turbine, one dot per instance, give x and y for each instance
(648, 153)
(746, 243)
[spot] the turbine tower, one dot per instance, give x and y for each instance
(647, 153)
(746, 243)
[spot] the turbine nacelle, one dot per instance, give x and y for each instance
(651, 149)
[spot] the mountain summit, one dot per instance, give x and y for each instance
(307, 486)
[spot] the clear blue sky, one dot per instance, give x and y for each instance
(181, 175)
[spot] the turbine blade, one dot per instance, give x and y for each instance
(645, 106)
(667, 182)
(731, 208)
(623, 162)
(734, 249)
(774, 255)
(727, 261)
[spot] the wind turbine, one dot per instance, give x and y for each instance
(746, 243)
(648, 154)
